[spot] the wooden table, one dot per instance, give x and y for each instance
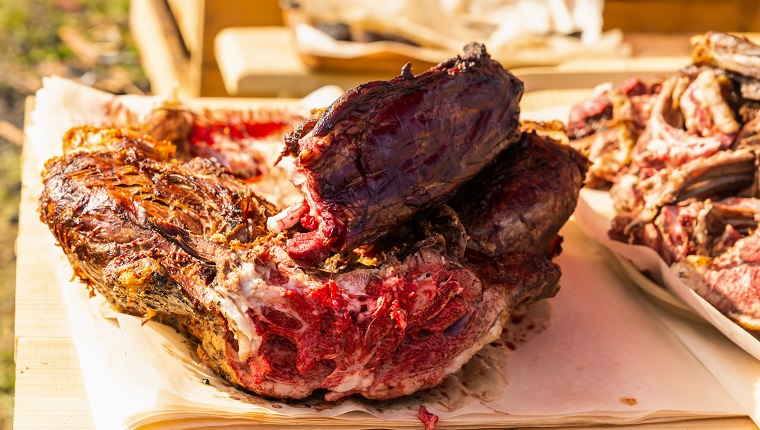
(50, 391)
(264, 62)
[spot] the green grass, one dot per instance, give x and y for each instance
(30, 28)
(30, 44)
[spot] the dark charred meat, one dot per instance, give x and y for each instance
(186, 245)
(388, 149)
(513, 204)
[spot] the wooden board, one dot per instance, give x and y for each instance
(275, 68)
(176, 39)
(682, 16)
(50, 392)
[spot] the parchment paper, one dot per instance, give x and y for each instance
(594, 354)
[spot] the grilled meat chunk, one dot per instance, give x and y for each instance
(116, 193)
(726, 51)
(388, 149)
(690, 119)
(605, 127)
(185, 243)
(514, 204)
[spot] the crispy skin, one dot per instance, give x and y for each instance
(388, 149)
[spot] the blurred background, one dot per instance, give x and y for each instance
(85, 40)
(271, 48)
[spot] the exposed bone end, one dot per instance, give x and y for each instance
(288, 217)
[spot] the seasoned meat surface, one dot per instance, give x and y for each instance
(388, 149)
(186, 245)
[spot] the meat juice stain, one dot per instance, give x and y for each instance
(630, 401)
(192, 364)
(205, 133)
(485, 376)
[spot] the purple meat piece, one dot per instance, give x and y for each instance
(521, 200)
(388, 149)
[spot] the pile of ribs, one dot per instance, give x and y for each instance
(679, 156)
(426, 214)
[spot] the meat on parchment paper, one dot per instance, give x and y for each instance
(690, 188)
(186, 243)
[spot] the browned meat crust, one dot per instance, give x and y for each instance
(514, 204)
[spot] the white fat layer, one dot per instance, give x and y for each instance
(352, 305)
(297, 178)
(489, 337)
(353, 380)
(253, 293)
(426, 289)
(240, 325)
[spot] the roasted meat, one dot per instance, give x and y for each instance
(730, 282)
(606, 126)
(388, 149)
(186, 245)
(719, 175)
(706, 228)
(184, 242)
(512, 205)
(691, 187)
(728, 52)
(689, 119)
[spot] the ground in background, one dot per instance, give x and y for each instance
(85, 40)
